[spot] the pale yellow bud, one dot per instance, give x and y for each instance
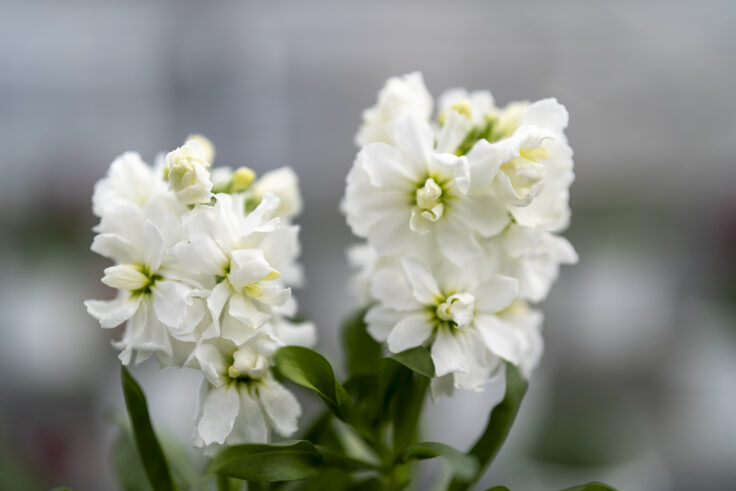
(243, 177)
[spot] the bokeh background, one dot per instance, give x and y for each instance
(638, 382)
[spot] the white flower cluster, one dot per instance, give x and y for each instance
(204, 262)
(460, 217)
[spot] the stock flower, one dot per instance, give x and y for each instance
(129, 182)
(239, 400)
(476, 105)
(453, 311)
(531, 255)
(250, 258)
(155, 297)
(409, 197)
(284, 184)
(187, 171)
(399, 97)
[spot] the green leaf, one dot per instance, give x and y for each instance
(591, 486)
(364, 389)
(288, 461)
(311, 370)
(465, 466)
(152, 457)
(62, 489)
(407, 409)
(498, 427)
(331, 458)
(498, 488)
(363, 353)
(417, 359)
(330, 479)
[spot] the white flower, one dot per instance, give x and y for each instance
(207, 146)
(550, 207)
(476, 105)
(188, 173)
(240, 401)
(533, 256)
(156, 298)
(251, 257)
(129, 182)
(520, 166)
(400, 96)
(409, 197)
(284, 184)
(451, 310)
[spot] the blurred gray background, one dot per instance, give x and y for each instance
(638, 382)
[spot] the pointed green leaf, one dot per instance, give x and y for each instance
(591, 486)
(149, 449)
(288, 461)
(417, 359)
(363, 353)
(311, 370)
(465, 466)
(498, 427)
(498, 488)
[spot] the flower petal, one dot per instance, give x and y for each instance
(390, 288)
(112, 313)
(414, 137)
(423, 285)
(457, 242)
(250, 426)
(170, 299)
(380, 321)
(280, 406)
(496, 294)
(410, 332)
(500, 337)
(248, 266)
(547, 113)
(447, 354)
(482, 212)
(217, 299)
(243, 309)
(221, 406)
(384, 165)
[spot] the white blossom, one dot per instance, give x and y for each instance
(532, 256)
(409, 197)
(284, 184)
(454, 311)
(399, 97)
(239, 400)
(156, 298)
(129, 182)
(188, 173)
(250, 257)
